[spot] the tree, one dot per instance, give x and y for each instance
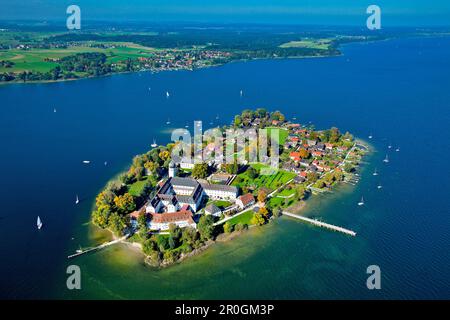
(150, 166)
(116, 223)
(258, 219)
(100, 216)
(162, 242)
(200, 170)
(206, 227)
(277, 212)
(237, 121)
(262, 195)
(142, 221)
(228, 227)
(264, 212)
(189, 235)
(175, 233)
(303, 153)
(300, 192)
(125, 203)
(252, 173)
(164, 155)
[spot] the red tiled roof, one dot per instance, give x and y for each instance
(246, 198)
(172, 217)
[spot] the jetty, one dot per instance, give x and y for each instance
(99, 247)
(321, 224)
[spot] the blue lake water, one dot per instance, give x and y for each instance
(398, 90)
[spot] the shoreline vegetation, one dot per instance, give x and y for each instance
(40, 57)
(311, 162)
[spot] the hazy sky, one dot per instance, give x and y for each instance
(324, 12)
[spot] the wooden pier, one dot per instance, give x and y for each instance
(103, 245)
(321, 224)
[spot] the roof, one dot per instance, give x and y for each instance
(219, 187)
(184, 182)
(212, 208)
(172, 217)
(246, 199)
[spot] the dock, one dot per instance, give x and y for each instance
(102, 246)
(321, 224)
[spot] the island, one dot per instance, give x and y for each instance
(31, 53)
(172, 209)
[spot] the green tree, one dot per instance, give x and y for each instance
(237, 121)
(228, 227)
(200, 170)
(258, 219)
(125, 203)
(252, 173)
(116, 223)
(206, 227)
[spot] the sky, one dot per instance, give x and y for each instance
(320, 12)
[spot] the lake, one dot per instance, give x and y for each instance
(397, 90)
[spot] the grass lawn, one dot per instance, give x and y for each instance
(283, 134)
(286, 193)
(222, 203)
(136, 188)
(244, 218)
(269, 181)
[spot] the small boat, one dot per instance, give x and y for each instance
(39, 223)
(77, 200)
(375, 173)
(54, 110)
(149, 89)
(389, 146)
(241, 93)
(386, 160)
(211, 123)
(186, 126)
(294, 118)
(154, 145)
(379, 186)
(105, 163)
(86, 161)
(217, 117)
(168, 121)
(79, 250)
(397, 150)
(167, 94)
(361, 203)
(370, 136)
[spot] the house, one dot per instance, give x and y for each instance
(161, 221)
(311, 143)
(245, 201)
(220, 192)
(186, 165)
(213, 210)
(303, 174)
(329, 146)
(295, 156)
(220, 178)
(320, 146)
(317, 153)
(304, 163)
(299, 179)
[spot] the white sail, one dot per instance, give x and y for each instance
(77, 200)
(39, 223)
(167, 94)
(361, 202)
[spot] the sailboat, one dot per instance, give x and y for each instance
(167, 94)
(361, 203)
(375, 173)
(154, 145)
(389, 146)
(386, 160)
(77, 200)
(105, 163)
(397, 150)
(54, 110)
(379, 186)
(241, 93)
(86, 161)
(186, 126)
(168, 121)
(39, 223)
(370, 136)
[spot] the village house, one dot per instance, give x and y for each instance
(245, 201)
(161, 221)
(213, 210)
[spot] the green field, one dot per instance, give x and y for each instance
(136, 188)
(283, 134)
(244, 218)
(269, 181)
(322, 44)
(34, 59)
